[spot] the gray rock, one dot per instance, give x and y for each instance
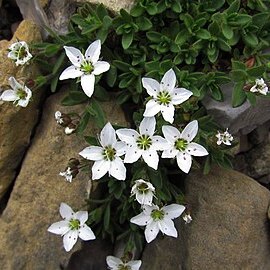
(244, 118)
(229, 228)
(260, 134)
(39, 190)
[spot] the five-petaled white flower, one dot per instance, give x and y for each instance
(156, 219)
(144, 144)
(19, 52)
(85, 66)
(181, 146)
(115, 263)
(224, 137)
(67, 174)
(59, 117)
(19, 94)
(72, 227)
(107, 158)
(164, 96)
(260, 86)
(143, 191)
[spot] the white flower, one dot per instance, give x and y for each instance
(187, 218)
(144, 192)
(58, 117)
(19, 52)
(107, 158)
(72, 227)
(67, 174)
(85, 66)
(143, 144)
(156, 219)
(181, 146)
(70, 129)
(260, 86)
(224, 137)
(19, 94)
(164, 96)
(115, 263)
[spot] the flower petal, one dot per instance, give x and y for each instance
(85, 233)
(71, 72)
(168, 112)
(132, 154)
(141, 219)
(180, 95)
(151, 158)
(107, 135)
(145, 198)
(168, 81)
(170, 153)
(9, 95)
(151, 231)
(167, 227)
(152, 86)
(173, 211)
(159, 143)
(184, 161)
(100, 168)
(93, 51)
(101, 67)
(60, 227)
(70, 239)
(92, 153)
(88, 84)
(127, 135)
(82, 216)
(135, 265)
(113, 262)
(171, 133)
(190, 131)
(196, 149)
(118, 169)
(147, 126)
(151, 108)
(66, 211)
(120, 148)
(14, 84)
(74, 55)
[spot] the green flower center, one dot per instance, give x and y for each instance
(157, 215)
(22, 52)
(109, 153)
(144, 142)
(21, 93)
(87, 67)
(164, 98)
(74, 224)
(124, 267)
(143, 188)
(181, 144)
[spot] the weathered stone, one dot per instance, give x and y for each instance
(229, 228)
(16, 123)
(258, 160)
(39, 190)
(260, 134)
(244, 118)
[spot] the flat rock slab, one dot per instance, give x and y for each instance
(39, 190)
(230, 229)
(244, 118)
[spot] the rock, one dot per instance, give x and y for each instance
(260, 134)
(39, 190)
(269, 212)
(16, 123)
(258, 160)
(229, 228)
(244, 118)
(92, 256)
(113, 5)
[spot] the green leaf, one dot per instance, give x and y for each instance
(216, 93)
(91, 140)
(234, 7)
(127, 40)
(227, 31)
(239, 75)
(111, 76)
(207, 165)
(97, 112)
(123, 97)
(121, 65)
(74, 98)
(256, 71)
(203, 34)
(238, 96)
(251, 98)
(54, 83)
(240, 20)
(101, 94)
(137, 11)
(58, 62)
(154, 36)
(143, 23)
(182, 37)
(107, 217)
(152, 9)
(83, 123)
(238, 65)
(250, 39)
(176, 7)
